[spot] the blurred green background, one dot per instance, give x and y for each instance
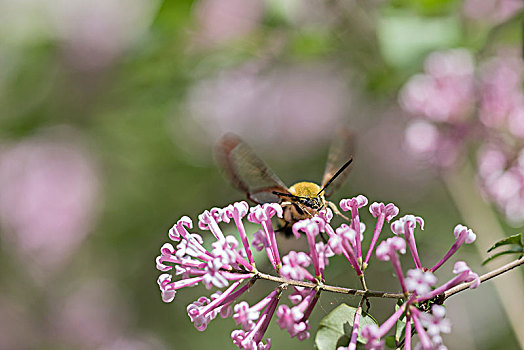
(109, 111)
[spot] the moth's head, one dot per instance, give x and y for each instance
(309, 194)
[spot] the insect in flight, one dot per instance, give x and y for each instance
(251, 175)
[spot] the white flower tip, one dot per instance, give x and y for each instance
(475, 278)
(461, 229)
(168, 296)
(167, 249)
(438, 310)
(185, 221)
(460, 266)
(376, 208)
(420, 222)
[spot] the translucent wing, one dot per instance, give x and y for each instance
(342, 149)
(247, 171)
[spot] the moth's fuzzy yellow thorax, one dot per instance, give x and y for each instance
(305, 189)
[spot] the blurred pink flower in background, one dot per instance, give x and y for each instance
(48, 193)
(500, 88)
(441, 148)
(300, 105)
(89, 317)
(441, 135)
(445, 92)
(494, 11)
(501, 177)
(501, 159)
(442, 98)
(220, 21)
(93, 33)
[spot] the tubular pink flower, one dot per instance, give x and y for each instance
(354, 333)
(244, 316)
(390, 322)
(260, 242)
(237, 293)
(381, 212)
(169, 288)
(435, 323)
(295, 320)
(420, 282)
(353, 205)
(462, 235)
(224, 309)
(340, 243)
(313, 297)
(209, 221)
(217, 302)
(200, 321)
(262, 214)
(298, 294)
(237, 211)
(166, 288)
(324, 253)
(226, 250)
(425, 341)
(372, 334)
(202, 311)
(216, 274)
(294, 266)
(192, 246)
(185, 262)
(406, 226)
(252, 339)
(387, 250)
(462, 268)
(179, 229)
(407, 338)
(464, 274)
(326, 215)
(311, 228)
(335, 242)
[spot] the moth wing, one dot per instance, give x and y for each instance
(342, 149)
(247, 171)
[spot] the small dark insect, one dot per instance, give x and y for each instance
(304, 199)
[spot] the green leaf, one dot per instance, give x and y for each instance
(515, 239)
(401, 323)
(335, 329)
(509, 251)
(390, 342)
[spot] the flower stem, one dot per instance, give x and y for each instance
(333, 289)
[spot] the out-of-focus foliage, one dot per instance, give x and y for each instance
(109, 110)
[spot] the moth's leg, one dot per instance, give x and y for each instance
(333, 207)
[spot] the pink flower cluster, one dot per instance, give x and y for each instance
(230, 265)
(447, 96)
(418, 286)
